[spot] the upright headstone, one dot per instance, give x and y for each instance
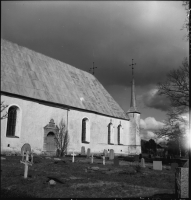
(111, 154)
(88, 152)
(142, 162)
(92, 159)
(181, 182)
(83, 151)
(103, 160)
(157, 165)
(116, 161)
(174, 166)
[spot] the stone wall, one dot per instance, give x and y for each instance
(182, 182)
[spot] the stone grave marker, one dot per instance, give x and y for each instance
(182, 182)
(26, 147)
(174, 166)
(92, 159)
(26, 163)
(103, 160)
(142, 162)
(111, 154)
(116, 161)
(157, 165)
(88, 152)
(73, 156)
(105, 153)
(83, 151)
(136, 157)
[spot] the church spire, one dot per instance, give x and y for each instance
(133, 107)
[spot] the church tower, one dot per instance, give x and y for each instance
(134, 115)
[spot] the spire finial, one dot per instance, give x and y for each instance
(132, 68)
(92, 69)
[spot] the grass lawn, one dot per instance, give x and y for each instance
(79, 179)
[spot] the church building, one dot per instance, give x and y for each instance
(41, 91)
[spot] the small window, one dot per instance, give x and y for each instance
(11, 121)
(85, 131)
(110, 134)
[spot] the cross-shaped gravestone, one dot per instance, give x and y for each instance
(103, 160)
(92, 159)
(73, 156)
(26, 163)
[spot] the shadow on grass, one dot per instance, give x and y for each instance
(5, 193)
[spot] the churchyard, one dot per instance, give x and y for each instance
(81, 176)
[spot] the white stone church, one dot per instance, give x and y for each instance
(41, 91)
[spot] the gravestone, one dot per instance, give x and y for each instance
(111, 154)
(92, 159)
(105, 153)
(26, 163)
(142, 162)
(157, 165)
(73, 156)
(136, 157)
(116, 161)
(83, 151)
(181, 182)
(88, 152)
(26, 147)
(103, 160)
(174, 166)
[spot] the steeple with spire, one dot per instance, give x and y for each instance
(133, 107)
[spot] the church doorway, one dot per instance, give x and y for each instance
(50, 142)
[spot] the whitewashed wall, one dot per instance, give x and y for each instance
(36, 116)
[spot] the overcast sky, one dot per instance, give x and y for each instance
(110, 34)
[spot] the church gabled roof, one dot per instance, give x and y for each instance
(33, 75)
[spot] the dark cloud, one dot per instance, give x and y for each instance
(108, 33)
(152, 99)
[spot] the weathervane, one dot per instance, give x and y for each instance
(132, 66)
(92, 69)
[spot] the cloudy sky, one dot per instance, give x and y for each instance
(110, 34)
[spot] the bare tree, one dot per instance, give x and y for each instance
(62, 139)
(3, 107)
(176, 87)
(186, 24)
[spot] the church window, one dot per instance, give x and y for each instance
(120, 134)
(110, 134)
(85, 130)
(11, 121)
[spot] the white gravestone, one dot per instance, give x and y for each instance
(26, 163)
(157, 165)
(73, 156)
(142, 162)
(92, 158)
(103, 160)
(111, 154)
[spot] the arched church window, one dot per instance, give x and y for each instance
(85, 130)
(120, 134)
(11, 121)
(110, 134)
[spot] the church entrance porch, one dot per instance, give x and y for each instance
(49, 146)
